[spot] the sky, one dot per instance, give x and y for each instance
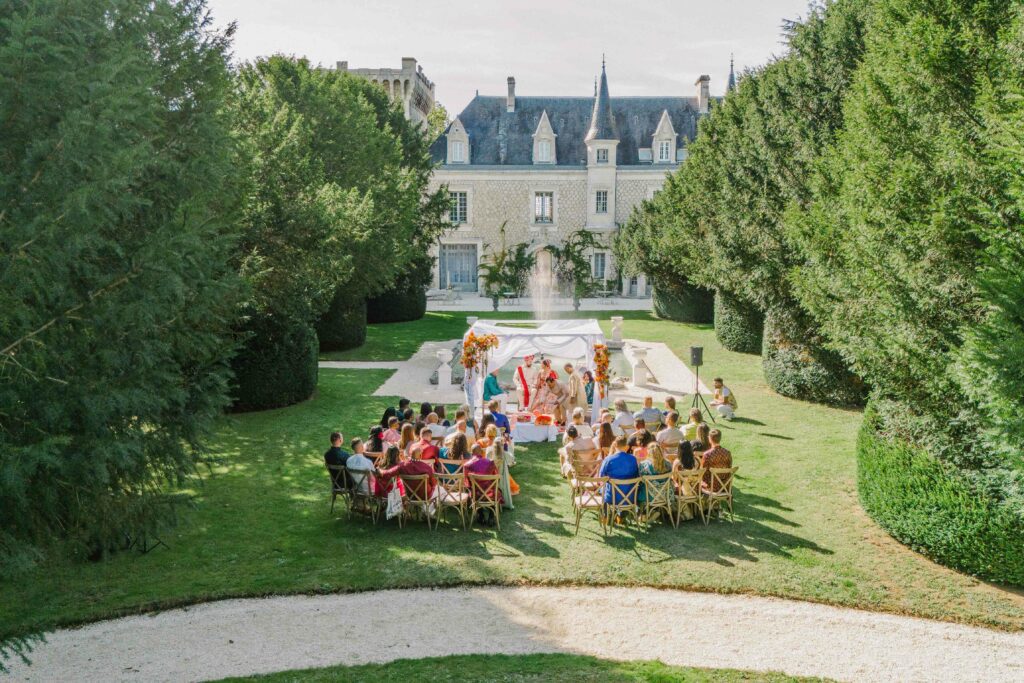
(553, 47)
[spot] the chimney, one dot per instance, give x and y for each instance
(703, 93)
(510, 102)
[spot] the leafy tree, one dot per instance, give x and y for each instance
(116, 205)
(572, 264)
(506, 269)
(437, 122)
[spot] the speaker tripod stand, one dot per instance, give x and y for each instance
(698, 399)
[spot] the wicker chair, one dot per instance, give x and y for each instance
(688, 485)
(452, 495)
(485, 494)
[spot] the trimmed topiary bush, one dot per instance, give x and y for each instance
(343, 324)
(276, 365)
(406, 299)
(739, 326)
(683, 302)
(933, 509)
(797, 365)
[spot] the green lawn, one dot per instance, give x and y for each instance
(261, 524)
(521, 669)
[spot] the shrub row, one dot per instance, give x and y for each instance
(276, 365)
(343, 324)
(933, 509)
(739, 326)
(682, 301)
(796, 365)
(404, 302)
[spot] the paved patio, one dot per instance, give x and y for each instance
(472, 302)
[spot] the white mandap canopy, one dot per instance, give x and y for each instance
(519, 338)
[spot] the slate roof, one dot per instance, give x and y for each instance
(499, 138)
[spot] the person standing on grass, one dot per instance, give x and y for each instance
(588, 386)
(574, 387)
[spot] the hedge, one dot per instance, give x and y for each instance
(929, 507)
(405, 301)
(683, 302)
(343, 324)
(738, 325)
(796, 364)
(276, 365)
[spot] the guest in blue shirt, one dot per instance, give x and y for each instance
(621, 465)
(500, 419)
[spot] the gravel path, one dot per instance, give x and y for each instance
(242, 637)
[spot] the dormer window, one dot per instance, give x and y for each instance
(602, 155)
(664, 142)
(665, 151)
(458, 143)
(544, 141)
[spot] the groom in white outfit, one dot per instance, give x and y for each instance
(525, 377)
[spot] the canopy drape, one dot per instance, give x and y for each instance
(573, 339)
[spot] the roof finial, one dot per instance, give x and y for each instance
(602, 61)
(595, 86)
(731, 85)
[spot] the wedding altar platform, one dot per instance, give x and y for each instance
(570, 339)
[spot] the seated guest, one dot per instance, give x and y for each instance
(606, 438)
(648, 413)
(336, 455)
(490, 435)
(499, 418)
(639, 427)
(425, 446)
(670, 406)
(425, 409)
(623, 421)
(459, 450)
(403, 405)
(467, 413)
(724, 401)
(381, 488)
(716, 456)
(493, 390)
(620, 465)
(641, 440)
(408, 439)
(579, 421)
(652, 465)
(389, 413)
(572, 443)
(393, 433)
(703, 441)
(486, 421)
(377, 443)
(441, 417)
(670, 435)
(412, 467)
(433, 424)
(507, 484)
(460, 428)
(478, 464)
(685, 461)
(408, 416)
(690, 428)
(358, 462)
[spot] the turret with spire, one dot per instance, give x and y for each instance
(732, 75)
(602, 122)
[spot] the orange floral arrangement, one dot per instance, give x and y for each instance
(475, 348)
(601, 377)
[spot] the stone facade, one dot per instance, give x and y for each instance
(546, 167)
(407, 84)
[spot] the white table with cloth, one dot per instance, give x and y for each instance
(527, 432)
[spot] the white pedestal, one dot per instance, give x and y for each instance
(616, 341)
(444, 371)
(640, 374)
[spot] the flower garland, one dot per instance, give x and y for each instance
(601, 368)
(475, 348)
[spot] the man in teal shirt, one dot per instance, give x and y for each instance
(491, 387)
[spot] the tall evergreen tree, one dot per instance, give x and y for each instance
(115, 205)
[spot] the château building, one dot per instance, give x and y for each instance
(545, 167)
(409, 85)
